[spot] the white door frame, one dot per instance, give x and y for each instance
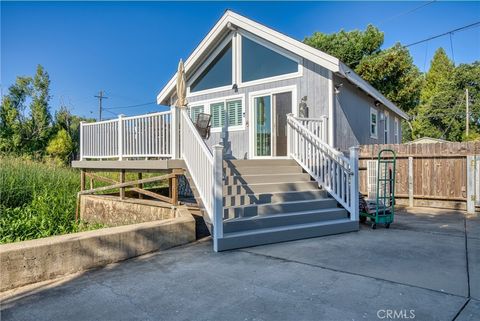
(251, 117)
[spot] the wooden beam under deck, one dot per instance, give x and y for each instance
(130, 165)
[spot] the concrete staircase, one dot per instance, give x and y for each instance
(269, 201)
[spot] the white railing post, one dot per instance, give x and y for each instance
(471, 195)
(324, 128)
(217, 207)
(175, 125)
(354, 187)
(81, 139)
(120, 137)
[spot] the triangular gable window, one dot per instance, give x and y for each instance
(217, 74)
(260, 62)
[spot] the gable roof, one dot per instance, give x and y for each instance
(327, 61)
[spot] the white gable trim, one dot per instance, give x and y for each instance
(285, 42)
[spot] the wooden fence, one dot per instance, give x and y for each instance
(443, 175)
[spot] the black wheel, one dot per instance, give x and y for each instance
(387, 225)
(374, 226)
(363, 219)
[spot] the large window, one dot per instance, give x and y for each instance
(217, 74)
(373, 122)
(218, 114)
(386, 129)
(261, 62)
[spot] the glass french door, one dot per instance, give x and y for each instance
(270, 124)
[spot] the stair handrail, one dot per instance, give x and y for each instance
(337, 174)
(206, 171)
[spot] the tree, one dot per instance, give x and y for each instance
(40, 118)
(441, 112)
(61, 146)
(393, 73)
(12, 119)
(348, 46)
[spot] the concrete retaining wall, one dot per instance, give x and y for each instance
(38, 260)
(113, 211)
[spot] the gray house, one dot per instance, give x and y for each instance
(256, 76)
(281, 162)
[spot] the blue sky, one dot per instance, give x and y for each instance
(131, 50)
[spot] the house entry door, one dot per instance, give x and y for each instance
(270, 124)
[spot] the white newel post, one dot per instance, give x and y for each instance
(217, 207)
(120, 137)
(324, 128)
(354, 187)
(175, 127)
(81, 139)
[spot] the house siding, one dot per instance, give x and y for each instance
(352, 118)
(313, 83)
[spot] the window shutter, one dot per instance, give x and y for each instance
(218, 114)
(235, 112)
(194, 111)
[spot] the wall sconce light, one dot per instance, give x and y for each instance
(303, 108)
(377, 103)
(235, 88)
(337, 88)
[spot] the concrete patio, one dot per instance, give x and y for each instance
(425, 267)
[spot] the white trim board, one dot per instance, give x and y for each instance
(232, 19)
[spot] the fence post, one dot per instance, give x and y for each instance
(217, 207)
(120, 137)
(410, 182)
(81, 139)
(354, 188)
(471, 197)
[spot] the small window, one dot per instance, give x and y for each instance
(396, 131)
(194, 111)
(218, 114)
(373, 122)
(260, 62)
(235, 112)
(386, 128)
(217, 74)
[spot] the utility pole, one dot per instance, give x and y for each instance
(467, 117)
(100, 97)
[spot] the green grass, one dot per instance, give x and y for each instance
(36, 200)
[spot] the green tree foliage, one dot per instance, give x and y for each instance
(393, 73)
(40, 118)
(12, 120)
(61, 146)
(348, 46)
(441, 112)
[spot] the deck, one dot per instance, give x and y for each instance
(130, 165)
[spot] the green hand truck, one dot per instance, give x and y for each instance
(382, 209)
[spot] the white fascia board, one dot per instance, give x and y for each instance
(348, 73)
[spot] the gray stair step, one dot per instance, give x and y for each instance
(268, 188)
(267, 221)
(263, 170)
(285, 233)
(270, 178)
(262, 198)
(261, 162)
(278, 208)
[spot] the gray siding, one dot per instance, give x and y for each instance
(352, 118)
(313, 84)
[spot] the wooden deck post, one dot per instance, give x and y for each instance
(82, 180)
(122, 180)
(140, 176)
(174, 187)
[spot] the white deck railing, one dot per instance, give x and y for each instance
(317, 126)
(127, 137)
(337, 174)
(206, 171)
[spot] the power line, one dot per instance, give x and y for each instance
(445, 33)
(407, 12)
(133, 106)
